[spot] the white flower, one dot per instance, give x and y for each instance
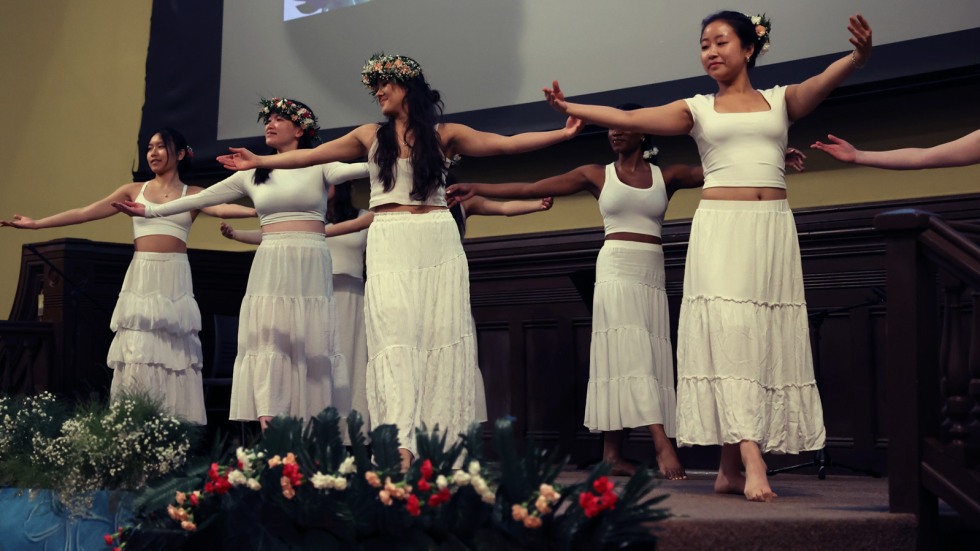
(489, 497)
(322, 481)
(651, 153)
(756, 19)
(340, 483)
(480, 485)
(460, 478)
(237, 478)
(441, 482)
(474, 468)
(348, 466)
(253, 485)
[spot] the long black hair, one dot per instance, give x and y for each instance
(647, 143)
(174, 141)
(424, 106)
(341, 208)
(306, 141)
(744, 29)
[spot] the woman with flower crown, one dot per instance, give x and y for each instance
(745, 371)
(631, 368)
(156, 348)
(421, 347)
(286, 362)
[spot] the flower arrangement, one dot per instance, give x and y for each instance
(763, 28)
(95, 447)
(289, 109)
(393, 68)
(650, 153)
(300, 486)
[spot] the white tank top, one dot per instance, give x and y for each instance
(401, 192)
(175, 225)
(625, 208)
(742, 149)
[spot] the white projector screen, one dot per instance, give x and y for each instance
(485, 54)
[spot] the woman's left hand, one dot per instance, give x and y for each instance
(131, 208)
(860, 38)
(239, 159)
(795, 158)
(573, 126)
(547, 203)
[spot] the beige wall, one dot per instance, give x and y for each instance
(73, 73)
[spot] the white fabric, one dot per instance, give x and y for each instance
(177, 225)
(400, 193)
(348, 296)
(156, 348)
(625, 208)
(745, 370)
(742, 149)
(347, 252)
(422, 360)
(287, 196)
(286, 361)
(631, 368)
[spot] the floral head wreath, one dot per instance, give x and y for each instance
(289, 109)
(393, 68)
(762, 29)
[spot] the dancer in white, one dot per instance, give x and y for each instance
(421, 346)
(286, 361)
(156, 348)
(744, 365)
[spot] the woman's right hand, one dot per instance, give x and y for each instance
(556, 98)
(239, 159)
(458, 193)
(131, 208)
(227, 231)
(838, 149)
(20, 222)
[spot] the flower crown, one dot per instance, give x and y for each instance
(394, 68)
(762, 29)
(289, 109)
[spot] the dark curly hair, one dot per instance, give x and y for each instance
(744, 29)
(341, 207)
(424, 106)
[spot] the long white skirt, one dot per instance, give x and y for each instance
(745, 371)
(156, 348)
(422, 360)
(286, 363)
(631, 367)
(348, 297)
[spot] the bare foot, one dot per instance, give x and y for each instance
(621, 467)
(756, 481)
(729, 483)
(669, 464)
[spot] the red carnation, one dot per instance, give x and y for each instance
(426, 470)
(603, 485)
(412, 505)
(424, 485)
(440, 497)
(194, 499)
(109, 539)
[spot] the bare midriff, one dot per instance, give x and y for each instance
(159, 244)
(743, 194)
(637, 237)
(413, 209)
(311, 226)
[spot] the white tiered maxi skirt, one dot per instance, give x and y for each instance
(156, 348)
(286, 363)
(422, 361)
(348, 297)
(745, 371)
(631, 368)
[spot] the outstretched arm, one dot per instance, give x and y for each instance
(224, 210)
(682, 177)
(225, 191)
(673, 119)
(803, 98)
(96, 211)
(483, 206)
(252, 237)
(353, 225)
(350, 146)
(461, 139)
(584, 178)
(961, 152)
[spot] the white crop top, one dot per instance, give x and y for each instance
(288, 195)
(347, 252)
(625, 208)
(177, 225)
(742, 149)
(402, 190)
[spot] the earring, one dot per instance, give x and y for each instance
(747, 58)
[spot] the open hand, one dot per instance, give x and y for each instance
(837, 148)
(131, 208)
(860, 38)
(556, 98)
(239, 159)
(795, 158)
(457, 193)
(20, 222)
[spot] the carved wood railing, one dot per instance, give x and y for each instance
(933, 357)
